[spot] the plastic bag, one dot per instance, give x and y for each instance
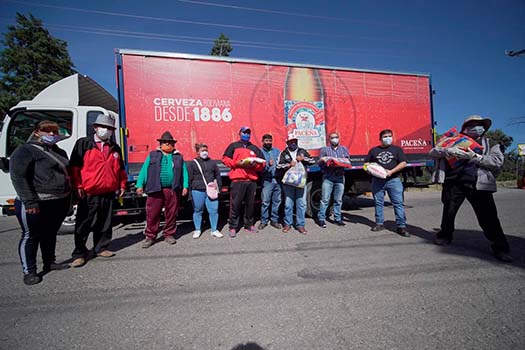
(212, 190)
(295, 176)
(375, 169)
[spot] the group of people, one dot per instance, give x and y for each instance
(47, 182)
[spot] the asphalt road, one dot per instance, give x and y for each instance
(337, 288)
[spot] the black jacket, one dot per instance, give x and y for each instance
(33, 173)
(211, 172)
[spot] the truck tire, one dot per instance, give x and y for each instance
(313, 198)
(68, 225)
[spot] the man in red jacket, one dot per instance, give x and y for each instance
(246, 161)
(97, 174)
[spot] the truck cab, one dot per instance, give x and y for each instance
(73, 102)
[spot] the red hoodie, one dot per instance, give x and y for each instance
(237, 151)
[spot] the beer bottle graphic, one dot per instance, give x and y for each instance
(304, 108)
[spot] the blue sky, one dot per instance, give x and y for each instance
(461, 44)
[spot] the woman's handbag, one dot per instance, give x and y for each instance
(212, 188)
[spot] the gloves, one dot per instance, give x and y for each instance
(458, 153)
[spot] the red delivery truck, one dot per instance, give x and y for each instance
(207, 99)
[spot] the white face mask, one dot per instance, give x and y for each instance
(387, 140)
(334, 141)
(203, 154)
(104, 133)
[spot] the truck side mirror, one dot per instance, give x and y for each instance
(4, 164)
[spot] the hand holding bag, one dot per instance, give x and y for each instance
(295, 176)
(212, 188)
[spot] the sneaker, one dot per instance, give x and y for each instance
(78, 262)
(252, 229)
(377, 228)
(340, 223)
(321, 223)
(170, 240)
(276, 225)
(442, 241)
(196, 234)
(106, 254)
(217, 234)
(402, 231)
(147, 243)
(233, 233)
(262, 226)
(286, 228)
(501, 256)
(55, 267)
(32, 278)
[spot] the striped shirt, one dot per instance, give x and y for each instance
(339, 152)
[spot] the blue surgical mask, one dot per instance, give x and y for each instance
(245, 137)
(387, 140)
(475, 131)
(50, 139)
(292, 146)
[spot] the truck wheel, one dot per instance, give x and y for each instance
(68, 225)
(313, 198)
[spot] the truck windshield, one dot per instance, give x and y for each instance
(23, 123)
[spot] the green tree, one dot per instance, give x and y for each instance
(31, 60)
(221, 46)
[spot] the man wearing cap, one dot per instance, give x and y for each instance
(163, 177)
(473, 178)
(333, 180)
(271, 188)
(97, 174)
(246, 161)
(295, 197)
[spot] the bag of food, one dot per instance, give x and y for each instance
(453, 138)
(338, 162)
(295, 176)
(376, 170)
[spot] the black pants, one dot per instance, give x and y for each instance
(93, 214)
(454, 194)
(40, 230)
(242, 191)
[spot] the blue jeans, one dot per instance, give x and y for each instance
(271, 194)
(199, 199)
(295, 196)
(335, 184)
(394, 188)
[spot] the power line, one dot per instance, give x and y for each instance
(284, 13)
(231, 26)
(208, 40)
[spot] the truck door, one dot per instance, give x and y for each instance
(18, 129)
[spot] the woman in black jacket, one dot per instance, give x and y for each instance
(40, 177)
(203, 172)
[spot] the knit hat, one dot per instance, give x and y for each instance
(166, 136)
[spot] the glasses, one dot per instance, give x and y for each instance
(169, 143)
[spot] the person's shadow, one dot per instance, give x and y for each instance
(248, 346)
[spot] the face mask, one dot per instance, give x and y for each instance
(387, 141)
(292, 146)
(104, 133)
(475, 131)
(267, 146)
(203, 154)
(334, 141)
(245, 137)
(50, 139)
(167, 148)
